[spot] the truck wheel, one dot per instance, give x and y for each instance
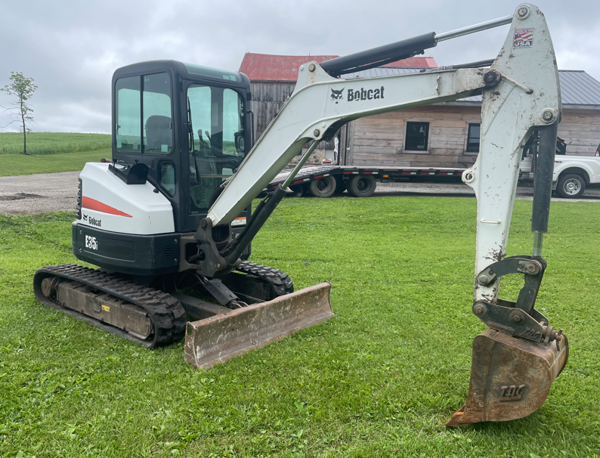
(322, 187)
(362, 186)
(570, 186)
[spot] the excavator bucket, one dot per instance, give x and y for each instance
(510, 377)
(229, 333)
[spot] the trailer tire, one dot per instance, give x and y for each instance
(570, 186)
(322, 187)
(362, 186)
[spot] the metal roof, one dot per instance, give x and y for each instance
(271, 67)
(384, 71)
(578, 89)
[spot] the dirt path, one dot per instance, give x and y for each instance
(52, 192)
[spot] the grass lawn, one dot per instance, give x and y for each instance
(52, 142)
(18, 164)
(380, 379)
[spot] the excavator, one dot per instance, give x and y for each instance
(169, 221)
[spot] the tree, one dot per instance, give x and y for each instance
(23, 88)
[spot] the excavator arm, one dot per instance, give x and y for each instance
(520, 91)
(519, 356)
(320, 104)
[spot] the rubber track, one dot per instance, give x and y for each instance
(279, 281)
(166, 313)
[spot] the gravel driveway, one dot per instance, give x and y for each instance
(46, 192)
(461, 190)
(52, 192)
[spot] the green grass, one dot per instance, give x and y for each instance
(380, 379)
(52, 142)
(13, 164)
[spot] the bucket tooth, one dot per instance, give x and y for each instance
(221, 337)
(510, 377)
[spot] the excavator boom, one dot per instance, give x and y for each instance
(517, 359)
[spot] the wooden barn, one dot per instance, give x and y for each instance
(445, 134)
(273, 79)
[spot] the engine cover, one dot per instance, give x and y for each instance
(108, 203)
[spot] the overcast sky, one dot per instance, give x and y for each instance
(71, 48)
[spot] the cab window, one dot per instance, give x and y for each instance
(216, 140)
(129, 114)
(167, 177)
(144, 122)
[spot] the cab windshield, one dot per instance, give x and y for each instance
(216, 140)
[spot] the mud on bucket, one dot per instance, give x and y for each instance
(510, 377)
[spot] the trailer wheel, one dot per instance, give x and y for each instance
(362, 186)
(570, 186)
(322, 187)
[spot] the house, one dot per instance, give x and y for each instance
(444, 134)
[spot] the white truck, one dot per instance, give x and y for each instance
(572, 174)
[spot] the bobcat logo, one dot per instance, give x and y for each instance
(336, 95)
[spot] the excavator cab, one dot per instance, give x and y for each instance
(190, 125)
(182, 129)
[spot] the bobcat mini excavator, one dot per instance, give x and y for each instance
(171, 213)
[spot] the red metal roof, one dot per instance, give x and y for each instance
(271, 67)
(419, 62)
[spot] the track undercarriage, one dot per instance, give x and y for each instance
(153, 316)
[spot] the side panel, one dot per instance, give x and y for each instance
(133, 254)
(110, 204)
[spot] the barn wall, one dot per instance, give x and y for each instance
(380, 139)
(267, 100)
(580, 129)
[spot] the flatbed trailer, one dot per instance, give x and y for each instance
(359, 181)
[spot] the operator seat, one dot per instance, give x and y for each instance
(159, 134)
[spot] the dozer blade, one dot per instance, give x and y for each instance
(510, 377)
(214, 340)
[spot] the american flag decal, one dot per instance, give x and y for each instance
(523, 38)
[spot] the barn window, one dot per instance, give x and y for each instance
(417, 136)
(473, 138)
